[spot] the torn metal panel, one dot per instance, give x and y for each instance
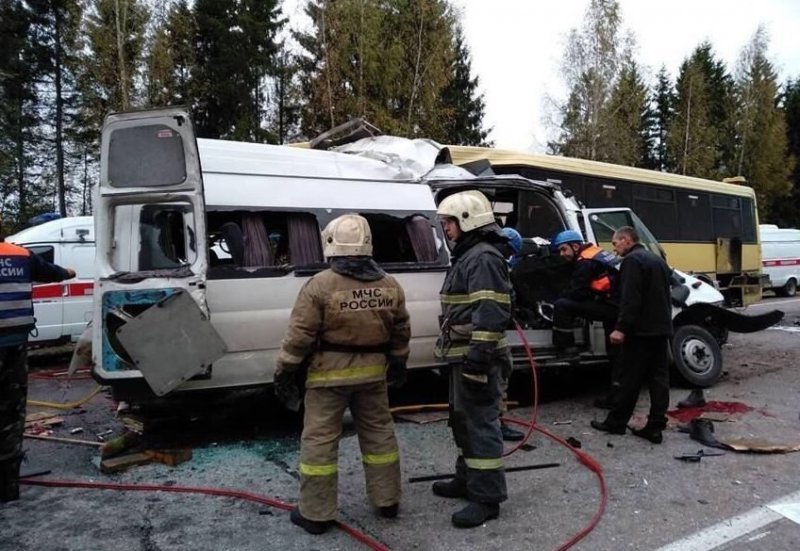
(171, 341)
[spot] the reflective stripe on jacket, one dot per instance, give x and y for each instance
(342, 311)
(16, 304)
(476, 306)
(601, 283)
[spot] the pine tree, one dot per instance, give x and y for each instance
(236, 45)
(664, 101)
(115, 33)
(23, 194)
(625, 138)
(57, 34)
(462, 105)
(285, 97)
(387, 62)
(701, 139)
(761, 151)
(786, 211)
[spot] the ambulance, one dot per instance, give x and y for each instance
(62, 310)
(780, 258)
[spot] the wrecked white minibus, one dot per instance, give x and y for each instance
(198, 268)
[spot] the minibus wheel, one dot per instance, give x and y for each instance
(697, 359)
(788, 290)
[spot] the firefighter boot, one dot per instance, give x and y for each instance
(450, 488)
(389, 511)
(311, 526)
(475, 514)
(509, 434)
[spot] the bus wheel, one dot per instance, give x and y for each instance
(697, 356)
(788, 290)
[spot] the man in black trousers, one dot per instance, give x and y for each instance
(643, 328)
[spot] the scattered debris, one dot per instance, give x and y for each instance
(170, 457)
(117, 445)
(696, 457)
(101, 436)
(609, 445)
(63, 440)
(569, 422)
(76, 430)
(122, 462)
(574, 442)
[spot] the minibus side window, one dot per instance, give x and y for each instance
(262, 243)
(403, 238)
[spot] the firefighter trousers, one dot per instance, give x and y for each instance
(319, 447)
(13, 394)
(475, 422)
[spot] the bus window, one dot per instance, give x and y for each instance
(694, 217)
(607, 193)
(656, 206)
(727, 216)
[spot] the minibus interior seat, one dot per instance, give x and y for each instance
(234, 240)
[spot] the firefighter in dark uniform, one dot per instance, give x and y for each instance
(476, 310)
(592, 288)
(350, 329)
(18, 269)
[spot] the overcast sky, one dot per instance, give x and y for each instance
(517, 47)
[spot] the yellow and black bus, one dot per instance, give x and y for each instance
(706, 227)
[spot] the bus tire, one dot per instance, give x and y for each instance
(789, 289)
(697, 359)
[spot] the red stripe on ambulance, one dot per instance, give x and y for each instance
(781, 262)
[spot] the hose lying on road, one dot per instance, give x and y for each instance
(67, 405)
(238, 494)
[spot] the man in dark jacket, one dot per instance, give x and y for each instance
(476, 310)
(643, 328)
(19, 268)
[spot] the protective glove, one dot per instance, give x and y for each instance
(396, 373)
(286, 389)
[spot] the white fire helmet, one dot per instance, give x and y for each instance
(471, 208)
(347, 235)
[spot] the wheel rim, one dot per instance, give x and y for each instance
(791, 287)
(697, 355)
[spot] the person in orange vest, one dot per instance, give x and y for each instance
(592, 294)
(19, 268)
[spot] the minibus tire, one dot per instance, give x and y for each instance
(697, 359)
(788, 290)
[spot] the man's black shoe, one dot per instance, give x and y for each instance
(475, 514)
(450, 488)
(315, 527)
(509, 434)
(649, 433)
(695, 399)
(605, 427)
(390, 511)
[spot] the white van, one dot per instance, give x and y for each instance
(63, 309)
(171, 315)
(780, 258)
